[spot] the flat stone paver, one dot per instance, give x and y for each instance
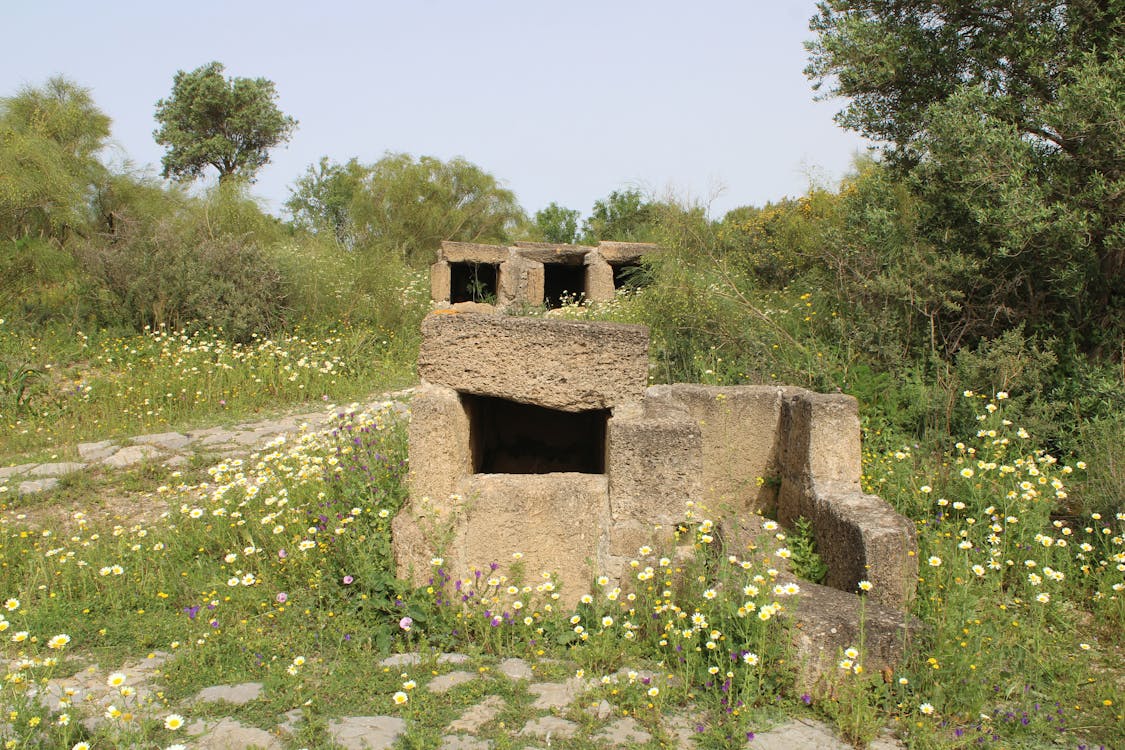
(169, 441)
(477, 716)
(11, 471)
(96, 451)
(551, 695)
(366, 732)
(515, 669)
(229, 734)
(33, 486)
(56, 469)
(548, 727)
(236, 694)
(622, 732)
(460, 742)
(443, 683)
(130, 455)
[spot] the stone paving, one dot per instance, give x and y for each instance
(169, 449)
(553, 701)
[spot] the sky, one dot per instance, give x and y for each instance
(564, 102)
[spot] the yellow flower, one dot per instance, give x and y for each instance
(400, 698)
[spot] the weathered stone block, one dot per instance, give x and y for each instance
(654, 467)
(440, 279)
(438, 438)
(599, 279)
(825, 622)
(471, 252)
(820, 437)
(550, 252)
(739, 429)
(625, 252)
(557, 364)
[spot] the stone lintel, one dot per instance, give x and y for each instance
(564, 365)
(472, 252)
(626, 252)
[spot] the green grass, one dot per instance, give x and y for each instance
(78, 387)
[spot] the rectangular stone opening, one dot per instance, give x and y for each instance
(508, 437)
(627, 275)
(563, 282)
(473, 282)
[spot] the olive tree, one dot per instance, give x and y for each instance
(226, 123)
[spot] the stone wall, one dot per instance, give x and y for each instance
(738, 450)
(522, 270)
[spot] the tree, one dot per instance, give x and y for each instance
(1007, 119)
(226, 123)
(557, 224)
(405, 206)
(624, 216)
(49, 143)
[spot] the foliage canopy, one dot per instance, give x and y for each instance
(1007, 122)
(226, 123)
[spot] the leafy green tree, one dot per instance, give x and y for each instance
(557, 224)
(321, 199)
(226, 123)
(50, 138)
(624, 216)
(405, 206)
(1007, 120)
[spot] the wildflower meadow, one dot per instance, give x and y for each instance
(278, 568)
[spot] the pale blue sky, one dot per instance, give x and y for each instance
(561, 101)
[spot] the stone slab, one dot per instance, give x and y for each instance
(477, 716)
(229, 734)
(548, 727)
(566, 365)
(624, 731)
(130, 455)
(96, 451)
(443, 683)
(169, 441)
(366, 732)
(11, 471)
(626, 252)
(35, 486)
(56, 469)
(472, 252)
(236, 694)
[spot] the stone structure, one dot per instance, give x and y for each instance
(540, 436)
(467, 275)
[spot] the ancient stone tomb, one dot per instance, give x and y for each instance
(541, 437)
(532, 273)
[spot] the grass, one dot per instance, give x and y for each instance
(70, 387)
(278, 568)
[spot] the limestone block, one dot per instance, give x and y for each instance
(739, 428)
(550, 252)
(438, 438)
(471, 252)
(625, 252)
(654, 467)
(859, 537)
(599, 279)
(558, 364)
(823, 622)
(441, 279)
(821, 437)
(556, 520)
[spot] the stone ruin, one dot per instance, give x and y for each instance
(532, 274)
(541, 437)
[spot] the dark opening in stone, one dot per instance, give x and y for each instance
(472, 282)
(508, 437)
(562, 282)
(627, 275)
